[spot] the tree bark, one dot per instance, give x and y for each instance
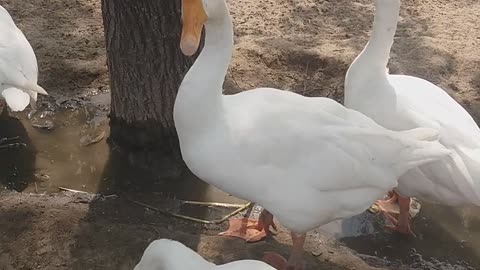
(146, 68)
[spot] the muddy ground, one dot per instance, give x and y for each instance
(72, 231)
(301, 45)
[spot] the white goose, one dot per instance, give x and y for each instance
(400, 102)
(18, 66)
(165, 254)
(309, 161)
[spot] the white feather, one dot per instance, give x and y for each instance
(401, 102)
(308, 161)
(167, 254)
(16, 99)
(18, 63)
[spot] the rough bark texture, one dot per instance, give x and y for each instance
(146, 68)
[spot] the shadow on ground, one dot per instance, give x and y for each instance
(446, 237)
(17, 165)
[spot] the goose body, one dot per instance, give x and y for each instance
(18, 66)
(308, 161)
(400, 102)
(165, 254)
(297, 164)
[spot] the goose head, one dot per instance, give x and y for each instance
(195, 14)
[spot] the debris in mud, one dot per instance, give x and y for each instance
(10, 143)
(42, 120)
(45, 124)
(72, 190)
(42, 177)
(378, 262)
(240, 208)
(90, 139)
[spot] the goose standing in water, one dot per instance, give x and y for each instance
(400, 102)
(18, 71)
(307, 161)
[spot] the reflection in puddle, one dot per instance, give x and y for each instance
(359, 225)
(59, 158)
(17, 166)
(68, 148)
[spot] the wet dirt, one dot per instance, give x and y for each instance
(447, 238)
(82, 231)
(301, 45)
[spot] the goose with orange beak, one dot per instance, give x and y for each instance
(307, 161)
(193, 17)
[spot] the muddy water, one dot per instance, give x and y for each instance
(67, 148)
(54, 156)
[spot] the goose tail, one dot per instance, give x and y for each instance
(422, 146)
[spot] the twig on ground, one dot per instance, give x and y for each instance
(214, 204)
(305, 80)
(198, 220)
(233, 78)
(72, 190)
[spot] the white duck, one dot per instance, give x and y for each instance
(309, 161)
(165, 254)
(400, 102)
(18, 66)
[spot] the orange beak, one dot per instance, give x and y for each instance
(193, 18)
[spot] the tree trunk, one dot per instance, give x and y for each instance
(146, 68)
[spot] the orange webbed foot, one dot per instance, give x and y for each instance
(251, 230)
(246, 229)
(400, 225)
(389, 205)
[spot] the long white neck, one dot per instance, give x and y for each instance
(199, 99)
(5, 17)
(371, 64)
(377, 51)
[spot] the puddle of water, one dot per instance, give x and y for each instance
(57, 157)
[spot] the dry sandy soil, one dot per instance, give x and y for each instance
(302, 45)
